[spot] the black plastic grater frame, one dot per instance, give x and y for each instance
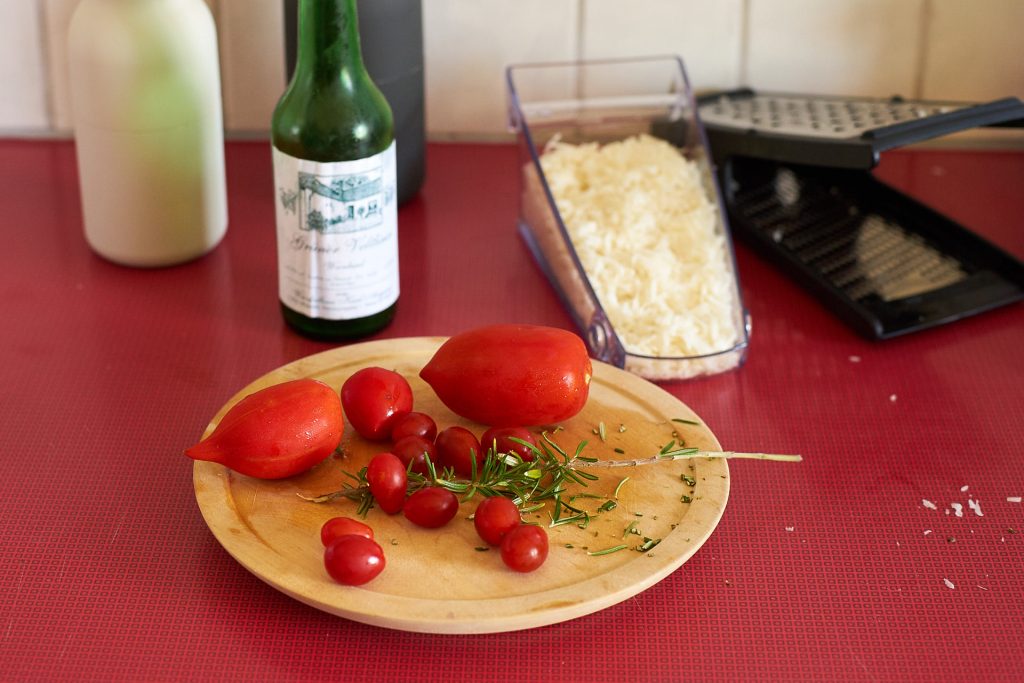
(803, 198)
(884, 263)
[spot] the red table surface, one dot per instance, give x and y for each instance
(829, 569)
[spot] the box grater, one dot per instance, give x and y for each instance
(795, 174)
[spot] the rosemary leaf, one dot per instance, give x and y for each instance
(607, 551)
(648, 544)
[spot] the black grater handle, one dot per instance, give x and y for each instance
(1005, 112)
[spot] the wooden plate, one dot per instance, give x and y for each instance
(438, 581)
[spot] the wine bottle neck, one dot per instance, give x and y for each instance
(329, 46)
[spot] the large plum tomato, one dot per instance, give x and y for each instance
(511, 375)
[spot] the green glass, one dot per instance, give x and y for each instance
(331, 111)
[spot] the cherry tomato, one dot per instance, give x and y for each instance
(336, 527)
(414, 424)
(373, 399)
(524, 548)
(456, 448)
(495, 517)
(353, 560)
(502, 438)
(511, 375)
(415, 449)
(431, 507)
(387, 479)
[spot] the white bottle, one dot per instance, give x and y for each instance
(146, 107)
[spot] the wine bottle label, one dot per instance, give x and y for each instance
(337, 235)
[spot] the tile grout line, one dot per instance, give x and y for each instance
(921, 61)
(744, 70)
(45, 59)
(581, 12)
(580, 47)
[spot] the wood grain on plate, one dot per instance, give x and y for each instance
(437, 581)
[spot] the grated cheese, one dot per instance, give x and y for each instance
(648, 237)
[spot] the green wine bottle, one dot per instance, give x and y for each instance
(335, 187)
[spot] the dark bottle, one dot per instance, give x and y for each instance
(391, 33)
(334, 177)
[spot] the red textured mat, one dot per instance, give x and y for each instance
(834, 569)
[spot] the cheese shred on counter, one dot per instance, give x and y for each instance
(645, 232)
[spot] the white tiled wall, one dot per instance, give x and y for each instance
(944, 49)
(22, 72)
(861, 47)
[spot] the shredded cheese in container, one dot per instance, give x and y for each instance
(645, 232)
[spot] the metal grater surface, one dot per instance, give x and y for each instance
(816, 117)
(862, 254)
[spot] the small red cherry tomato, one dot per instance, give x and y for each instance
(415, 449)
(336, 527)
(456, 448)
(501, 439)
(524, 548)
(495, 517)
(504, 375)
(373, 399)
(387, 480)
(431, 507)
(414, 424)
(353, 560)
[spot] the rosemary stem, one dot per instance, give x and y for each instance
(688, 454)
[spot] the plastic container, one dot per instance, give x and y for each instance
(606, 101)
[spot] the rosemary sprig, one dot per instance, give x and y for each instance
(548, 476)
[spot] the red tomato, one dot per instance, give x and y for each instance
(414, 424)
(276, 432)
(387, 480)
(415, 449)
(431, 507)
(500, 438)
(456, 448)
(495, 517)
(353, 560)
(336, 527)
(512, 375)
(373, 399)
(524, 548)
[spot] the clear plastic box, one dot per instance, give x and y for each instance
(606, 101)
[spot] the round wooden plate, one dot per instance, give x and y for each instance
(442, 581)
